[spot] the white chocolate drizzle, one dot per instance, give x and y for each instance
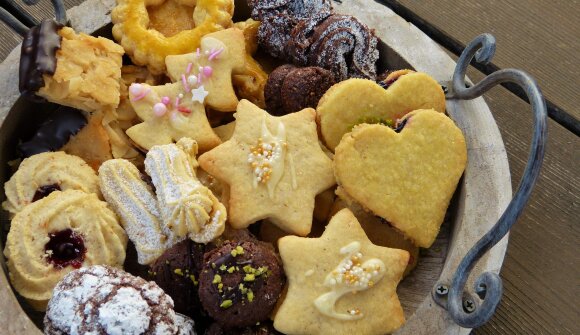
(267, 158)
(350, 276)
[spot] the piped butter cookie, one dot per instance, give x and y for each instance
(55, 235)
(179, 207)
(274, 167)
(406, 176)
(340, 283)
(357, 101)
(42, 174)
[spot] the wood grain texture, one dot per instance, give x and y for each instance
(43, 9)
(8, 40)
(537, 36)
(542, 265)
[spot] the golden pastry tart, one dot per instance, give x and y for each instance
(142, 28)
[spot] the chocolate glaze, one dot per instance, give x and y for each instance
(38, 56)
(55, 132)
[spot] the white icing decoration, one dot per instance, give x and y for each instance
(267, 158)
(199, 94)
(348, 277)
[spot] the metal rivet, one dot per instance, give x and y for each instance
(442, 290)
(468, 305)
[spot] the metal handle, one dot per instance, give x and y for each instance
(22, 27)
(488, 286)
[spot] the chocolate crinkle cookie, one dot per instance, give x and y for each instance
(104, 300)
(300, 9)
(290, 89)
(240, 283)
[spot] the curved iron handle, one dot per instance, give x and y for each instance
(488, 286)
(22, 28)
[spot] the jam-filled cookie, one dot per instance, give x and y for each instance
(356, 101)
(57, 234)
(42, 174)
(407, 175)
(151, 30)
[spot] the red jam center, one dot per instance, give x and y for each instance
(44, 191)
(65, 248)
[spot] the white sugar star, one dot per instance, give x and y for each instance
(199, 94)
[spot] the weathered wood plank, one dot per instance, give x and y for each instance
(534, 35)
(44, 9)
(8, 40)
(542, 266)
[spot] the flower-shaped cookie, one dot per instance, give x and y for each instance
(150, 30)
(180, 208)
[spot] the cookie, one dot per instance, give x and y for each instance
(169, 115)
(290, 89)
(250, 82)
(274, 167)
(179, 207)
(264, 328)
(84, 72)
(151, 30)
(340, 283)
(56, 131)
(92, 143)
(240, 283)
(105, 300)
(379, 231)
(57, 234)
(42, 174)
(209, 69)
(407, 176)
(357, 101)
(177, 273)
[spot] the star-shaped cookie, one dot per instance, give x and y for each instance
(220, 54)
(274, 166)
(168, 115)
(340, 283)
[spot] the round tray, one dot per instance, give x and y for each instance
(481, 197)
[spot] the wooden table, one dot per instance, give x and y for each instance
(541, 273)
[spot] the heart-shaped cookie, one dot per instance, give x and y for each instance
(407, 178)
(357, 101)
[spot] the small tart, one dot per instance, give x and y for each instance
(57, 234)
(41, 174)
(135, 27)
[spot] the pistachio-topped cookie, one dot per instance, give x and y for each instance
(274, 167)
(340, 283)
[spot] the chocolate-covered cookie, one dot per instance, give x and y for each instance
(240, 283)
(55, 132)
(273, 88)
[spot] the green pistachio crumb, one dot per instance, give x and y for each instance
(249, 277)
(231, 269)
(250, 296)
(223, 267)
(226, 304)
(217, 279)
(178, 272)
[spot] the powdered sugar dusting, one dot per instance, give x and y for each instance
(105, 300)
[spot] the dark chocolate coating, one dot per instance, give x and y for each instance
(290, 89)
(264, 328)
(38, 56)
(173, 272)
(232, 305)
(55, 132)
